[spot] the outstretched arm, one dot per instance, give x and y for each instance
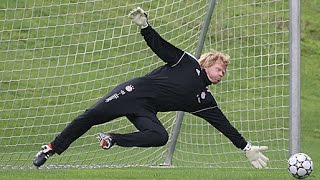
(217, 119)
(166, 51)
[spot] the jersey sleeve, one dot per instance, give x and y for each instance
(217, 119)
(163, 49)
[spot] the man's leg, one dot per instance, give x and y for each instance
(99, 113)
(77, 128)
(151, 133)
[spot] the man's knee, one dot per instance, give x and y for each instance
(92, 117)
(87, 115)
(160, 138)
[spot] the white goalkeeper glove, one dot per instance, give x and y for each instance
(257, 159)
(139, 17)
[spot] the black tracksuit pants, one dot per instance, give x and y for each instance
(127, 99)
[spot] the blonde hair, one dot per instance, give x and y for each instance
(208, 59)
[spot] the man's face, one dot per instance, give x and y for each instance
(216, 72)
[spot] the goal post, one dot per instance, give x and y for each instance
(60, 57)
(295, 126)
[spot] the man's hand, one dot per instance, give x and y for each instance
(139, 17)
(257, 159)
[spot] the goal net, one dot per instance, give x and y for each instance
(254, 94)
(60, 57)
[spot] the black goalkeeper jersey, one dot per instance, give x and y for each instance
(179, 85)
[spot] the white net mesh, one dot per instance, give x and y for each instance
(254, 94)
(59, 57)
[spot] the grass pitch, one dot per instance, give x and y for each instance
(310, 98)
(148, 174)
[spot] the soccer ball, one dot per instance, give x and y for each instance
(300, 165)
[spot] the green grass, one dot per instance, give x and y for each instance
(59, 84)
(147, 174)
(310, 82)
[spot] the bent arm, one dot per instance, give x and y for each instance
(163, 49)
(217, 119)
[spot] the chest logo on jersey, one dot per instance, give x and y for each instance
(122, 92)
(129, 88)
(201, 96)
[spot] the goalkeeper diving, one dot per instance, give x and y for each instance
(181, 84)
